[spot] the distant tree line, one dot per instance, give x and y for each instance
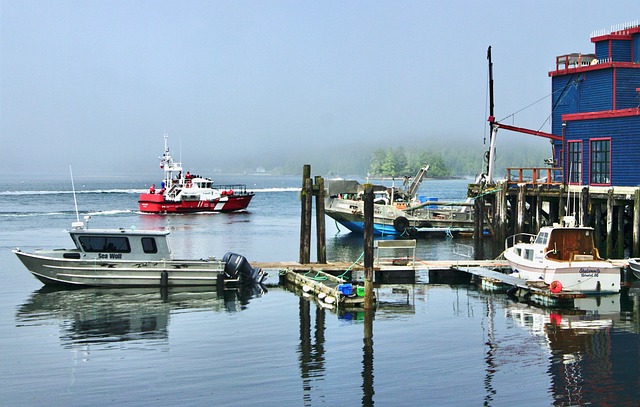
(454, 159)
(395, 162)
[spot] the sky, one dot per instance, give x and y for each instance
(96, 84)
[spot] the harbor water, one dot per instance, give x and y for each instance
(432, 343)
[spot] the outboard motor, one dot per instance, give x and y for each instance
(237, 266)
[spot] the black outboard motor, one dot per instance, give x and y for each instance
(237, 266)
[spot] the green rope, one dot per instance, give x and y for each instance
(488, 192)
(317, 277)
(351, 266)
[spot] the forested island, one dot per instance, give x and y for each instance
(445, 161)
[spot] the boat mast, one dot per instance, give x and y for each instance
(492, 126)
(167, 163)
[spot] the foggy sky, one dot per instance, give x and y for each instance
(96, 84)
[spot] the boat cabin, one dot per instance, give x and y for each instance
(119, 244)
(568, 244)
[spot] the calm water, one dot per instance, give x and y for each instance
(432, 344)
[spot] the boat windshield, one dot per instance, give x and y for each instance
(542, 238)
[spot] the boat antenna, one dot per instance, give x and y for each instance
(73, 187)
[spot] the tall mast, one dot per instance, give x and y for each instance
(493, 128)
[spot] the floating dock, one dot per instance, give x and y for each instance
(328, 289)
(327, 282)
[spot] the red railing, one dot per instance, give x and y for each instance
(535, 175)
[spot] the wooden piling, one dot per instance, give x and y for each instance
(520, 213)
(320, 224)
(478, 228)
(305, 221)
(368, 247)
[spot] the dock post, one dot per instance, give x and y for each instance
(305, 221)
(597, 226)
(636, 224)
(478, 227)
(501, 211)
(609, 223)
(584, 203)
(538, 209)
(320, 225)
(368, 247)
(620, 240)
(520, 213)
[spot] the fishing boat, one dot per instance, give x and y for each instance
(131, 258)
(396, 210)
(562, 256)
(186, 193)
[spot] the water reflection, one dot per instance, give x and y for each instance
(586, 343)
(103, 315)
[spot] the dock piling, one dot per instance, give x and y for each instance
(368, 247)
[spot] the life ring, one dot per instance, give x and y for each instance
(400, 224)
(188, 184)
(555, 286)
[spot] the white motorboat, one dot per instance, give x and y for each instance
(130, 258)
(564, 257)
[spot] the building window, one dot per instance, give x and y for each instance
(600, 161)
(575, 162)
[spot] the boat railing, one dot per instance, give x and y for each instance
(535, 175)
(519, 238)
(237, 189)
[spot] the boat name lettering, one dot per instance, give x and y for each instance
(589, 273)
(103, 256)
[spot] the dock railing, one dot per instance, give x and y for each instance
(535, 175)
(395, 252)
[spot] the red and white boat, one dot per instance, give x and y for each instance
(185, 193)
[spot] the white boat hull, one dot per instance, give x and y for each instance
(583, 276)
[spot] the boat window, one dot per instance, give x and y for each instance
(149, 245)
(112, 244)
(542, 238)
(528, 254)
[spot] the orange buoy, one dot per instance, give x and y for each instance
(555, 286)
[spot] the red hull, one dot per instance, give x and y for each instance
(155, 203)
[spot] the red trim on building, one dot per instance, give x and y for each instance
(613, 91)
(601, 65)
(605, 114)
(618, 35)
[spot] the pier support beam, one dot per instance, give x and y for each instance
(368, 247)
(619, 251)
(320, 224)
(305, 220)
(500, 214)
(478, 228)
(610, 203)
(520, 213)
(584, 206)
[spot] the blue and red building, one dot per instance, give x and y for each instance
(596, 110)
